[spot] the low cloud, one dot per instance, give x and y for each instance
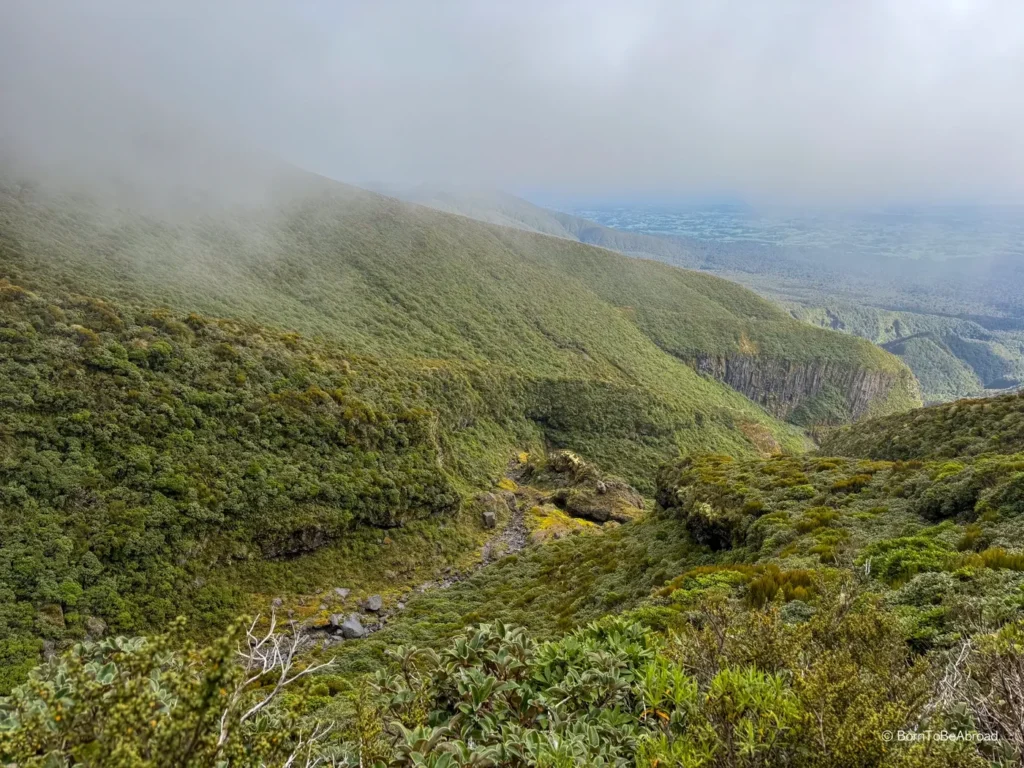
(780, 100)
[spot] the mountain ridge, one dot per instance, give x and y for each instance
(965, 356)
(703, 323)
(777, 387)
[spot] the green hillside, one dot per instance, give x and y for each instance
(401, 282)
(950, 354)
(381, 364)
(963, 428)
(339, 261)
(761, 601)
(205, 414)
(387, 278)
(851, 583)
(941, 374)
(951, 357)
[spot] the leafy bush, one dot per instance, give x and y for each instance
(897, 560)
(953, 493)
(162, 701)
(614, 694)
(963, 428)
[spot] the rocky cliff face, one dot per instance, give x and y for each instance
(818, 392)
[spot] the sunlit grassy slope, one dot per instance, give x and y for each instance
(951, 355)
(964, 428)
(394, 279)
(399, 281)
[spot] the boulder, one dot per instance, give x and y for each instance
(618, 501)
(374, 603)
(95, 627)
(352, 628)
(489, 519)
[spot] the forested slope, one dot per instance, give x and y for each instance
(929, 323)
(874, 596)
(302, 390)
(390, 278)
(963, 428)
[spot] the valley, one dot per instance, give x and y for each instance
(937, 290)
(403, 431)
(936, 286)
(511, 385)
(197, 404)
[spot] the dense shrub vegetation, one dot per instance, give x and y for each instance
(780, 611)
(141, 450)
(152, 461)
(155, 462)
(726, 689)
(774, 609)
(963, 428)
(391, 279)
(828, 686)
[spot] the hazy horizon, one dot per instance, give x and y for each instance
(787, 101)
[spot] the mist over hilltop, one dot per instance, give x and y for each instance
(779, 101)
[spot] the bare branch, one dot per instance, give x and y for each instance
(263, 655)
(306, 744)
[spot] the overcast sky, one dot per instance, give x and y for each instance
(859, 100)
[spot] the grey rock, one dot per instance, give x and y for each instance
(488, 519)
(352, 628)
(95, 627)
(342, 593)
(781, 387)
(601, 487)
(277, 602)
(401, 606)
(323, 606)
(374, 603)
(337, 619)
